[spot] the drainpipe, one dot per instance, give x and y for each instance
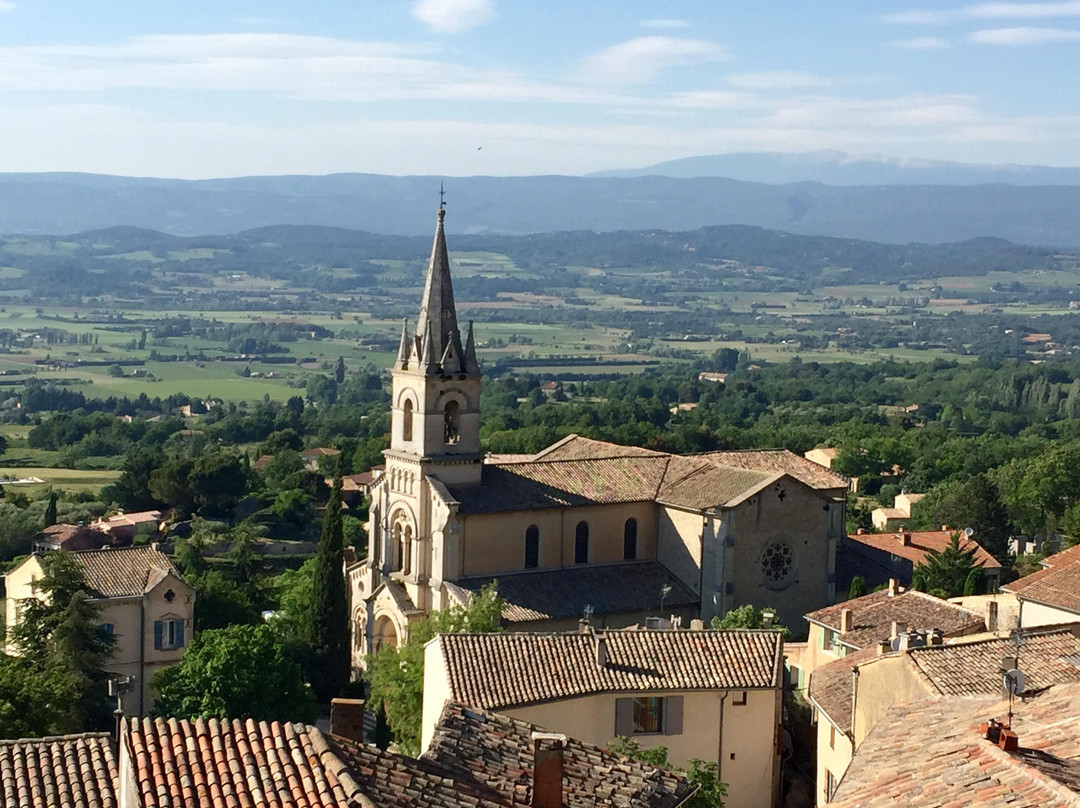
(142, 651)
(720, 745)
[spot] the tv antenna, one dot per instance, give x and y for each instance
(664, 591)
(1014, 682)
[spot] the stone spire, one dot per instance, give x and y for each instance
(438, 316)
(469, 364)
(403, 348)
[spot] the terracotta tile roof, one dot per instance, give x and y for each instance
(502, 670)
(921, 544)
(561, 484)
(781, 460)
(262, 462)
(831, 687)
(575, 447)
(320, 451)
(564, 593)
(226, 764)
(1057, 584)
(969, 668)
(873, 616)
(66, 770)
(931, 753)
(74, 537)
(693, 483)
(497, 751)
(124, 571)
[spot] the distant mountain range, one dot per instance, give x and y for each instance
(841, 168)
(1044, 215)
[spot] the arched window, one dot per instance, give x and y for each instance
(406, 550)
(532, 547)
(406, 421)
(629, 539)
(581, 543)
(450, 423)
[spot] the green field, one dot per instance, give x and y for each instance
(68, 479)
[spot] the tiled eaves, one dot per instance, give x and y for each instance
(65, 770)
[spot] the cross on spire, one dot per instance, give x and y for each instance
(442, 197)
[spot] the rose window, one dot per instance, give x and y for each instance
(776, 563)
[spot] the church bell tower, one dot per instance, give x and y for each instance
(436, 385)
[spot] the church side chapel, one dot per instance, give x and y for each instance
(584, 528)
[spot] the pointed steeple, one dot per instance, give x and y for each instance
(428, 362)
(470, 364)
(403, 348)
(437, 311)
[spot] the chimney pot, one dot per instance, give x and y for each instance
(898, 628)
(883, 647)
(347, 718)
(847, 621)
(697, 624)
(944, 528)
(861, 531)
(905, 539)
(991, 615)
(548, 769)
(601, 651)
(894, 586)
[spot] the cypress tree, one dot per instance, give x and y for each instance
(50, 510)
(329, 621)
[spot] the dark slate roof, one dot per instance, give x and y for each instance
(563, 593)
(66, 770)
(1057, 584)
(500, 670)
(873, 616)
(497, 751)
(124, 571)
(931, 754)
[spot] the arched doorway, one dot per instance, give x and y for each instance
(385, 634)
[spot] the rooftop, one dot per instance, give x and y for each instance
(921, 543)
(831, 687)
(125, 571)
(65, 770)
(874, 614)
(931, 753)
(74, 537)
(1057, 584)
(502, 670)
(564, 593)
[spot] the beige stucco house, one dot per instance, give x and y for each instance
(145, 605)
(1051, 595)
(894, 517)
(712, 695)
(584, 526)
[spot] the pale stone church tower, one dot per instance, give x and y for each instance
(435, 434)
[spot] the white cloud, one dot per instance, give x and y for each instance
(984, 11)
(665, 23)
(1023, 36)
(453, 16)
(922, 43)
(642, 60)
(777, 80)
(917, 17)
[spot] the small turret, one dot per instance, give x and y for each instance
(470, 364)
(403, 348)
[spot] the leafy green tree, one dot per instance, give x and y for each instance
(280, 440)
(975, 583)
(339, 370)
(946, 572)
(396, 674)
(217, 480)
(329, 620)
(294, 506)
(243, 553)
(746, 616)
(857, 588)
(50, 510)
(131, 491)
(222, 601)
(235, 672)
(702, 773)
(170, 483)
(294, 592)
(974, 502)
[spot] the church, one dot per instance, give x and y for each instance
(582, 529)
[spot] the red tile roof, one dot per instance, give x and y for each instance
(831, 687)
(931, 754)
(1057, 584)
(75, 537)
(921, 544)
(873, 616)
(502, 670)
(124, 571)
(66, 770)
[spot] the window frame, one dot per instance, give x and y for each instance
(630, 539)
(581, 543)
(532, 547)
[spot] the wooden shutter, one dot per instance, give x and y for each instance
(180, 633)
(158, 628)
(624, 717)
(673, 715)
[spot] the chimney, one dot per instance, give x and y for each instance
(767, 618)
(861, 531)
(847, 621)
(894, 589)
(347, 718)
(944, 528)
(935, 636)
(697, 624)
(905, 538)
(991, 617)
(898, 628)
(548, 769)
(601, 651)
(583, 626)
(883, 647)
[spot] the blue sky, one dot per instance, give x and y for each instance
(463, 87)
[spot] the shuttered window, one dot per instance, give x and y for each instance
(649, 715)
(168, 634)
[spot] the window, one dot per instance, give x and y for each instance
(739, 699)
(107, 630)
(777, 563)
(451, 433)
(581, 543)
(406, 421)
(649, 715)
(832, 736)
(168, 634)
(830, 786)
(629, 540)
(532, 547)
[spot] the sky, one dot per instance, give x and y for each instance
(198, 89)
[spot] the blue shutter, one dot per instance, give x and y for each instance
(158, 628)
(180, 633)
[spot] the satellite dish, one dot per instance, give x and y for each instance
(969, 532)
(1013, 682)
